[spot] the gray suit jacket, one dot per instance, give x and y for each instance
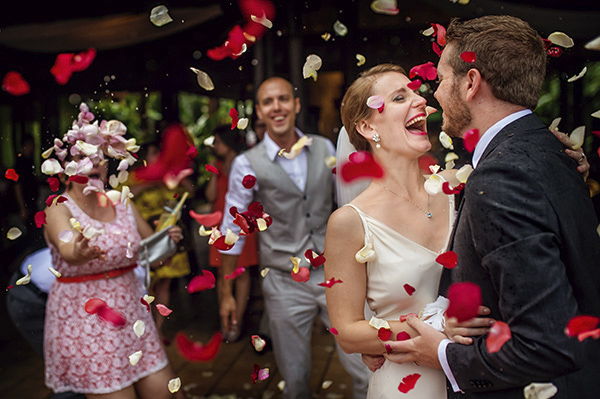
(526, 234)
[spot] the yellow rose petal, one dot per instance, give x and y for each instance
(361, 60)
(13, 233)
(340, 29)
(25, 279)
(135, 357)
(296, 262)
(264, 272)
(203, 79)
(262, 224)
(159, 16)
(55, 272)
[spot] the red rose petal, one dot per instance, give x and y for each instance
(470, 139)
(498, 335)
(209, 219)
(405, 316)
(554, 51)
(255, 370)
(49, 199)
(596, 133)
(40, 219)
(447, 259)
(256, 209)
(388, 348)
(363, 166)
(82, 61)
(580, 324)
(93, 305)
(465, 299)
(402, 336)
(330, 283)
(163, 310)
(452, 191)
(61, 70)
(236, 273)
(333, 331)
(414, 85)
(201, 283)
(54, 183)
(384, 334)
(595, 334)
(314, 261)
(192, 152)
(409, 289)
(13, 83)
(61, 199)
(408, 382)
(10, 174)
(111, 316)
(380, 109)
(427, 71)
(143, 301)
(248, 181)
(196, 351)
(547, 43)
(436, 49)
(468, 56)
(440, 33)
(79, 179)
(221, 244)
(241, 221)
(302, 276)
(212, 169)
(234, 117)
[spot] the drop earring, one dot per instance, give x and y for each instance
(376, 140)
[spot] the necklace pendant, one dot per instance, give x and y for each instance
(429, 215)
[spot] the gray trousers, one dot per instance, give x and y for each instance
(292, 309)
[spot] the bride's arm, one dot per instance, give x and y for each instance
(346, 300)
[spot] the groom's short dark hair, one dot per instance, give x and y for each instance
(510, 55)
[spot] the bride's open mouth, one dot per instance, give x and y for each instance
(417, 125)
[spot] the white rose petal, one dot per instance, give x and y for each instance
(433, 185)
(576, 137)
(242, 123)
(139, 328)
(554, 125)
(537, 390)
(281, 385)
(13, 233)
(463, 173)
(51, 167)
(446, 140)
(148, 298)
(312, 64)
(54, 271)
(340, 29)
(360, 60)
(578, 76)
(25, 279)
(203, 79)
(113, 181)
(561, 39)
(174, 385)
(135, 357)
(263, 272)
(258, 343)
(593, 44)
(596, 114)
(159, 16)
(326, 384)
(429, 31)
(378, 323)
(87, 149)
(65, 236)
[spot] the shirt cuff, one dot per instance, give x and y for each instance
(445, 366)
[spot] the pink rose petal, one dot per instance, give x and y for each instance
(201, 283)
(302, 276)
(163, 310)
(498, 335)
(402, 336)
(361, 165)
(470, 139)
(212, 169)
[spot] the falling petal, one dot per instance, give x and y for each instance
(233, 113)
(596, 114)
(13, 233)
(10, 174)
(212, 169)
(201, 283)
(196, 351)
(174, 385)
(79, 179)
(408, 382)
(366, 253)
(427, 71)
(434, 184)
(203, 79)
(593, 44)
(555, 51)
(470, 139)
(450, 157)
(312, 64)
(439, 33)
(452, 190)
(540, 390)
(40, 219)
(242, 123)
(248, 181)
(414, 85)
(362, 165)
(375, 102)
(448, 259)
(210, 219)
(578, 76)
(330, 283)
(296, 148)
(236, 273)
(25, 279)
(333, 330)
(139, 328)
(51, 167)
(468, 56)
(263, 272)
(465, 299)
(330, 161)
(113, 181)
(65, 236)
(339, 28)
(463, 173)
(561, 39)
(409, 289)
(576, 137)
(302, 276)
(314, 258)
(258, 343)
(436, 48)
(263, 374)
(360, 60)
(377, 323)
(446, 140)
(262, 20)
(554, 125)
(159, 16)
(326, 36)
(135, 357)
(296, 263)
(499, 333)
(13, 83)
(581, 324)
(387, 7)
(54, 271)
(172, 180)
(230, 237)
(93, 305)
(428, 32)
(163, 310)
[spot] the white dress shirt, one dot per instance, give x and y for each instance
(240, 197)
(482, 144)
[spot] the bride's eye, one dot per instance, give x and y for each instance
(399, 98)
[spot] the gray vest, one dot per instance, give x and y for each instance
(299, 218)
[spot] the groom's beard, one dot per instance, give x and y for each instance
(458, 116)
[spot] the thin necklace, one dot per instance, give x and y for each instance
(429, 214)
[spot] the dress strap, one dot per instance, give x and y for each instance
(362, 219)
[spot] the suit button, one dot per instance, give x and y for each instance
(307, 214)
(305, 197)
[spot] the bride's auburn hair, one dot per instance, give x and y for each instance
(354, 104)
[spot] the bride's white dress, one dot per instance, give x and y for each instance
(400, 261)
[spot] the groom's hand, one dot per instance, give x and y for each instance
(422, 349)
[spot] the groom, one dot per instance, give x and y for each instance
(526, 229)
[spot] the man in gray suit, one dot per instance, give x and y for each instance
(298, 194)
(526, 228)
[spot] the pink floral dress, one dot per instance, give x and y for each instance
(83, 353)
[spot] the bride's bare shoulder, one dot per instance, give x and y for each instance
(345, 218)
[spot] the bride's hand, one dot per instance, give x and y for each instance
(461, 332)
(373, 362)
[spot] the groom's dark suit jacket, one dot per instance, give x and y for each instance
(526, 234)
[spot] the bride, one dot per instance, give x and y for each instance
(400, 225)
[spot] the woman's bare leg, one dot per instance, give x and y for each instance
(125, 393)
(156, 386)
